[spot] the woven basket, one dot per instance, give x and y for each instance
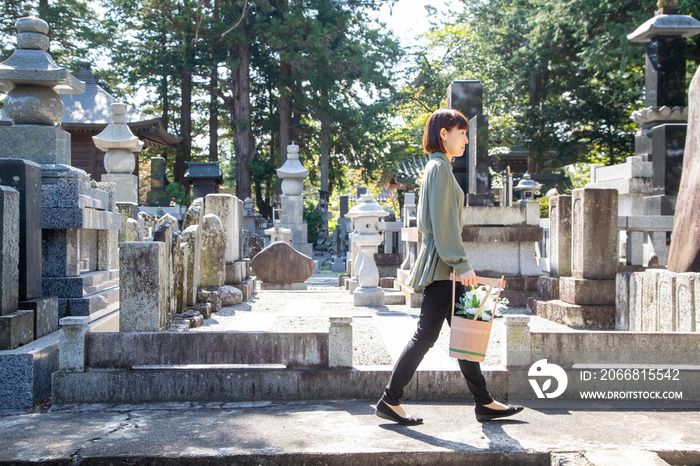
(469, 338)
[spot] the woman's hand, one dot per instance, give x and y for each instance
(469, 279)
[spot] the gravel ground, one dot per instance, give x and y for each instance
(308, 311)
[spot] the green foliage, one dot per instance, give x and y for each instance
(178, 194)
(314, 220)
(544, 206)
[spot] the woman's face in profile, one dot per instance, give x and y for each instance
(455, 141)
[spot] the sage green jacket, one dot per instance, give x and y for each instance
(440, 208)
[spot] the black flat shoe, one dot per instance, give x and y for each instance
(385, 412)
(484, 414)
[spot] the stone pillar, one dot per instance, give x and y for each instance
(212, 260)
(9, 247)
(237, 231)
(560, 236)
(516, 349)
(119, 145)
(165, 231)
(409, 221)
(222, 205)
(143, 285)
(594, 230)
(340, 347)
(25, 177)
(559, 247)
(71, 346)
(190, 264)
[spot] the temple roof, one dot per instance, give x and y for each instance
(90, 112)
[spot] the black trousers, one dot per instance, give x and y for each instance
(436, 308)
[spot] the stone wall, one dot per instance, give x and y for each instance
(658, 300)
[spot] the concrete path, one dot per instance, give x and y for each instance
(345, 432)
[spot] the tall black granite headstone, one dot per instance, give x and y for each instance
(471, 170)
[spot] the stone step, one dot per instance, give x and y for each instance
(95, 305)
(83, 285)
(413, 299)
(394, 297)
(227, 383)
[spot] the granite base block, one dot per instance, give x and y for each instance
(548, 288)
(25, 373)
(96, 305)
(283, 286)
(83, 285)
(45, 314)
(247, 287)
(235, 273)
(16, 329)
(371, 297)
(578, 316)
(40, 144)
(587, 292)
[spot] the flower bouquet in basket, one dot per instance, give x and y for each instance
(469, 304)
(472, 317)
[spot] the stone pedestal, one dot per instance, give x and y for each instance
(45, 314)
(127, 186)
(40, 144)
(16, 329)
(340, 348)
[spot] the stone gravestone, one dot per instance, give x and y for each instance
(280, 267)
(472, 169)
(684, 255)
(157, 195)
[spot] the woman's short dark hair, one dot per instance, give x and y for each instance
(442, 118)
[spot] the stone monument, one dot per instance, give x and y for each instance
(157, 195)
(68, 223)
(663, 119)
(684, 255)
(292, 202)
(280, 267)
(119, 145)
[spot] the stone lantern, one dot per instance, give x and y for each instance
(33, 82)
(528, 188)
(663, 120)
(278, 233)
(119, 145)
(366, 215)
(293, 173)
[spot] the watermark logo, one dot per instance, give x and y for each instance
(542, 369)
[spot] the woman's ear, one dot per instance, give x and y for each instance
(443, 133)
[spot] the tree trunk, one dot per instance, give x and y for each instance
(213, 117)
(325, 150)
(285, 112)
(183, 153)
(243, 143)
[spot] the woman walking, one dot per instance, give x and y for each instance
(442, 252)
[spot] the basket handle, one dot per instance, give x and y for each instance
(491, 282)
